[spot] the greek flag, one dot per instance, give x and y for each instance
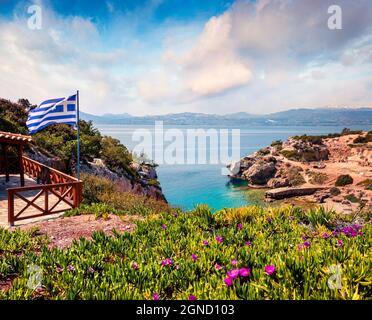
(52, 111)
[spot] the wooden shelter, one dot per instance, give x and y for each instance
(51, 192)
(9, 163)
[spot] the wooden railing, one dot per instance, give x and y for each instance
(62, 188)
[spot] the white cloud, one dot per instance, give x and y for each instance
(263, 57)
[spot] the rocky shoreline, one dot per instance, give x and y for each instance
(334, 171)
(146, 184)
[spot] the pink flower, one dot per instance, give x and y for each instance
(166, 262)
(234, 262)
(340, 243)
(269, 269)
(217, 266)
(155, 296)
(205, 242)
(228, 281)
(192, 297)
(248, 243)
(244, 272)
(134, 265)
(239, 226)
(194, 257)
(219, 239)
(163, 226)
(234, 273)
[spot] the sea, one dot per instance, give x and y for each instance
(188, 185)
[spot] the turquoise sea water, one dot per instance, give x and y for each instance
(189, 185)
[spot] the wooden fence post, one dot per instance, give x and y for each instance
(11, 208)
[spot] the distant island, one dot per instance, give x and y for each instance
(303, 116)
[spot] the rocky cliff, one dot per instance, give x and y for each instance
(334, 169)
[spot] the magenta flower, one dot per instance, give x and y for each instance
(269, 269)
(59, 269)
(164, 227)
(340, 243)
(307, 244)
(228, 281)
(234, 273)
(194, 257)
(71, 268)
(217, 266)
(268, 220)
(219, 239)
(175, 215)
(248, 243)
(234, 262)
(325, 235)
(166, 262)
(134, 265)
(244, 272)
(192, 297)
(155, 296)
(239, 226)
(205, 242)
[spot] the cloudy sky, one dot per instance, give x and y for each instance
(170, 56)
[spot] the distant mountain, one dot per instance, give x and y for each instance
(324, 116)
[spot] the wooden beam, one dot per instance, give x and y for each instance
(6, 164)
(21, 169)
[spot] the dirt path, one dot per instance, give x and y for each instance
(62, 232)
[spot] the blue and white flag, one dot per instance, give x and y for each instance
(52, 111)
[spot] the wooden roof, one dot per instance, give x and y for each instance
(14, 138)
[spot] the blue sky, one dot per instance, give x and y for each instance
(169, 56)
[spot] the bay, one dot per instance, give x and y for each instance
(187, 185)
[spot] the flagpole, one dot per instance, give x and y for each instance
(78, 136)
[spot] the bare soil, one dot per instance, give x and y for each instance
(62, 232)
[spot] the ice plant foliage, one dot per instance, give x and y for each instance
(151, 263)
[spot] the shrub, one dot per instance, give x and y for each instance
(291, 154)
(295, 178)
(277, 143)
(344, 180)
(317, 177)
(99, 190)
(334, 191)
(310, 139)
(367, 184)
(352, 198)
(95, 187)
(363, 139)
(116, 156)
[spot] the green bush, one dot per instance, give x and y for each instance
(95, 187)
(352, 198)
(344, 180)
(335, 191)
(102, 191)
(317, 177)
(367, 184)
(291, 154)
(295, 178)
